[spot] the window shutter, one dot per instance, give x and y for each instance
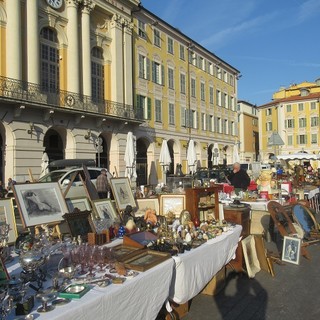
(148, 69)
(153, 71)
(162, 75)
(149, 109)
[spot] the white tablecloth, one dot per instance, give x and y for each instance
(138, 298)
(194, 269)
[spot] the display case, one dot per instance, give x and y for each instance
(194, 196)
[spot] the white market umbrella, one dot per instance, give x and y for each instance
(236, 157)
(164, 158)
(129, 157)
(191, 156)
(44, 165)
(215, 154)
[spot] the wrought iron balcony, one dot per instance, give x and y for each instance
(36, 95)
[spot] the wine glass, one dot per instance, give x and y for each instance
(45, 297)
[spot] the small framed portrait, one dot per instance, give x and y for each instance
(172, 202)
(122, 193)
(291, 250)
(40, 203)
(250, 256)
(104, 209)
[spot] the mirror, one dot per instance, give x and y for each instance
(305, 218)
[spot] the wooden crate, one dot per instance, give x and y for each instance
(216, 284)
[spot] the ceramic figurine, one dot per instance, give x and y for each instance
(121, 232)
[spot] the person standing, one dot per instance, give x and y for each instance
(239, 178)
(102, 184)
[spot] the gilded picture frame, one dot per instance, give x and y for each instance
(172, 202)
(144, 204)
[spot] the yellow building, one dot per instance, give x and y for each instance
(294, 115)
(182, 91)
(248, 122)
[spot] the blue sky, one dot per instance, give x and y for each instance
(273, 43)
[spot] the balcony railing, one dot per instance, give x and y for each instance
(26, 92)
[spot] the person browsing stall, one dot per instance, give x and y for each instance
(102, 184)
(239, 178)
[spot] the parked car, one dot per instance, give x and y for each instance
(64, 176)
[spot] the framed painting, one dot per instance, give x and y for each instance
(250, 256)
(40, 203)
(123, 252)
(144, 204)
(7, 217)
(80, 223)
(81, 204)
(291, 249)
(172, 202)
(104, 209)
(145, 260)
(122, 192)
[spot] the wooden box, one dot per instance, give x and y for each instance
(139, 239)
(98, 238)
(216, 284)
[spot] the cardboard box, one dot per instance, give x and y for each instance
(216, 284)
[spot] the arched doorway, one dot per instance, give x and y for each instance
(142, 162)
(171, 151)
(53, 145)
(102, 159)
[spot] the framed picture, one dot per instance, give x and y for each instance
(144, 204)
(7, 217)
(79, 223)
(291, 249)
(40, 203)
(104, 209)
(145, 260)
(172, 202)
(250, 256)
(82, 204)
(122, 192)
(123, 252)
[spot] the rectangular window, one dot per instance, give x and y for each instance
(269, 126)
(156, 38)
(158, 111)
(183, 117)
(268, 112)
(314, 121)
(219, 126)
(302, 122)
(313, 106)
(225, 76)
(218, 70)
(290, 140)
(314, 138)
(300, 106)
(182, 55)
(170, 45)
(171, 114)
(142, 29)
(210, 123)
(218, 98)
(289, 108)
(144, 67)
(170, 78)
(202, 92)
(211, 97)
(224, 126)
(157, 73)
(289, 123)
(231, 80)
(143, 107)
(302, 139)
(193, 87)
(183, 83)
(232, 128)
(210, 68)
(203, 121)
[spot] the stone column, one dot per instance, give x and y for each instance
(73, 72)
(127, 72)
(13, 42)
(117, 59)
(88, 6)
(33, 47)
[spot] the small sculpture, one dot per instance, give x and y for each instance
(150, 217)
(185, 217)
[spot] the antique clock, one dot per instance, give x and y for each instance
(55, 4)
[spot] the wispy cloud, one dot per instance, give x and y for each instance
(226, 35)
(308, 9)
